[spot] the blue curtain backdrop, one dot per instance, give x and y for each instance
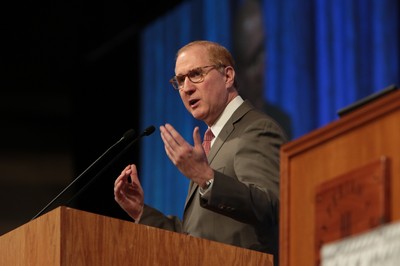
(321, 56)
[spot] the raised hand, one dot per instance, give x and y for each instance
(128, 192)
(190, 160)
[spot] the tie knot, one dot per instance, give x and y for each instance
(208, 135)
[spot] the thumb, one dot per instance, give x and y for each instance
(196, 137)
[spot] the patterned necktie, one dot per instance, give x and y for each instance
(208, 137)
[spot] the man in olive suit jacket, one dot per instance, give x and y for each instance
(233, 194)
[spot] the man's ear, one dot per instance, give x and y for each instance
(229, 75)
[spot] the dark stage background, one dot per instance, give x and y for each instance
(69, 90)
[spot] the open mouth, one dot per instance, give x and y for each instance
(193, 102)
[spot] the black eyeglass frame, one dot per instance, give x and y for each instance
(198, 72)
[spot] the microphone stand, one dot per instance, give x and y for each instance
(127, 136)
(145, 133)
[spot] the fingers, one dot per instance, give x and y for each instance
(134, 175)
(197, 137)
(128, 176)
(171, 137)
(172, 140)
(119, 195)
(126, 183)
(123, 175)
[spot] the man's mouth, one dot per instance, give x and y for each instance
(193, 102)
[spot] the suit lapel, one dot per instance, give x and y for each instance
(219, 141)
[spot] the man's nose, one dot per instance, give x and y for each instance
(188, 86)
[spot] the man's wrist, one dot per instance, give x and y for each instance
(137, 217)
(208, 183)
(206, 187)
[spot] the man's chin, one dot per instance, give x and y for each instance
(197, 115)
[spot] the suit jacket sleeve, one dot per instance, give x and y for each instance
(246, 175)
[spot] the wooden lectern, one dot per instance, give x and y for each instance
(334, 172)
(68, 236)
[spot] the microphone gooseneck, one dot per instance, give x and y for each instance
(126, 140)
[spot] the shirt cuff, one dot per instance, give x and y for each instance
(137, 220)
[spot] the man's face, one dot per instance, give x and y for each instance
(205, 100)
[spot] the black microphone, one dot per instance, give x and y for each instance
(128, 135)
(147, 132)
(126, 138)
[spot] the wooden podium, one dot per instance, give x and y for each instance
(336, 174)
(68, 236)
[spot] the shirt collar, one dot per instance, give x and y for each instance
(226, 114)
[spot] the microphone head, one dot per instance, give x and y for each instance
(128, 135)
(148, 131)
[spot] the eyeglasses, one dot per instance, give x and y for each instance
(195, 75)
